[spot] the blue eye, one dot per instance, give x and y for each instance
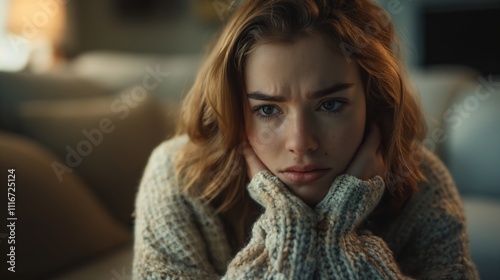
(266, 111)
(332, 106)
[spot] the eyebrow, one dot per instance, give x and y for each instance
(313, 95)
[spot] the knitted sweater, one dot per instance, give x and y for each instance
(179, 237)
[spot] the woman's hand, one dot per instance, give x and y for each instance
(368, 161)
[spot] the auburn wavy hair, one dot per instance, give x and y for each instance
(211, 166)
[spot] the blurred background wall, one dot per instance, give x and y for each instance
(461, 32)
(140, 26)
(433, 32)
(467, 29)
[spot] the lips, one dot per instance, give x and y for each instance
(304, 173)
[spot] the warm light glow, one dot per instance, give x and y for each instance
(34, 19)
(35, 29)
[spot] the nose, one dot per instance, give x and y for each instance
(301, 135)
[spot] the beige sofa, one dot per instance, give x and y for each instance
(78, 150)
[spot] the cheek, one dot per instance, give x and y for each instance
(352, 137)
(355, 126)
(265, 143)
(258, 136)
(344, 140)
(262, 138)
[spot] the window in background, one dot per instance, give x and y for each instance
(12, 57)
(152, 10)
(33, 32)
(464, 34)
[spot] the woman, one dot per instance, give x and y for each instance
(298, 156)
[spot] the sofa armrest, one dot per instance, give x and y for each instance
(58, 223)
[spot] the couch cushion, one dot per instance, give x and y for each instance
(119, 70)
(106, 140)
(472, 150)
(58, 222)
(17, 88)
(437, 87)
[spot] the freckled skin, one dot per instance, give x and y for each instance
(300, 130)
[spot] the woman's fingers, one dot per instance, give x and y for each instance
(254, 164)
(368, 161)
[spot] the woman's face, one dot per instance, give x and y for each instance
(305, 115)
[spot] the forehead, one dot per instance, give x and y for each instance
(309, 60)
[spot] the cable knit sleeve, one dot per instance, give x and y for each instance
(431, 230)
(177, 237)
(283, 238)
(344, 251)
